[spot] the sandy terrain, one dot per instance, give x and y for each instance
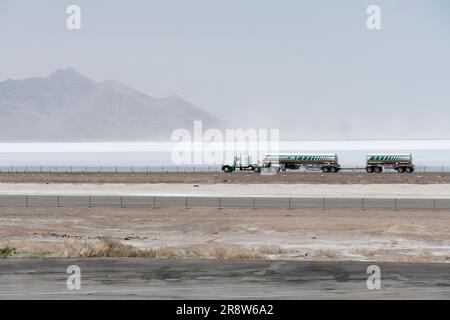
(236, 177)
(413, 236)
(427, 191)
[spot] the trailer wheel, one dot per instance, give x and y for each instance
(326, 169)
(378, 169)
(333, 169)
(409, 169)
(369, 169)
(257, 169)
(400, 170)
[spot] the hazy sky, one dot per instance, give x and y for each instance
(232, 57)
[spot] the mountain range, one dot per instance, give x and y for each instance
(68, 106)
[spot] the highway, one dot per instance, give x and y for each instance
(33, 201)
(221, 202)
(138, 278)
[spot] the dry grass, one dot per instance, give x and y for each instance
(222, 252)
(7, 252)
(110, 247)
(107, 247)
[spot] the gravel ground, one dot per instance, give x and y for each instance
(379, 235)
(232, 178)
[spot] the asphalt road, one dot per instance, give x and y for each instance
(221, 202)
(133, 278)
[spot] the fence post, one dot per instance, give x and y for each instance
(154, 202)
(362, 203)
(434, 204)
(253, 199)
(121, 201)
(289, 204)
(323, 203)
(57, 199)
(26, 201)
(90, 202)
(220, 203)
(186, 202)
(395, 204)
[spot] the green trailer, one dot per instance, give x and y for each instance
(376, 162)
(310, 161)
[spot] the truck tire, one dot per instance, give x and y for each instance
(409, 170)
(400, 169)
(378, 169)
(326, 169)
(369, 169)
(257, 169)
(227, 169)
(333, 169)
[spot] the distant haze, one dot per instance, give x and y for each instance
(310, 68)
(67, 106)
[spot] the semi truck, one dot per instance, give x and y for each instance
(309, 161)
(400, 162)
(241, 163)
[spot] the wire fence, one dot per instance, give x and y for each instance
(220, 202)
(171, 169)
(109, 169)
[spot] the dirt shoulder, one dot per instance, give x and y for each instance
(398, 236)
(236, 177)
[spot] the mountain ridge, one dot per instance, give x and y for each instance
(68, 106)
